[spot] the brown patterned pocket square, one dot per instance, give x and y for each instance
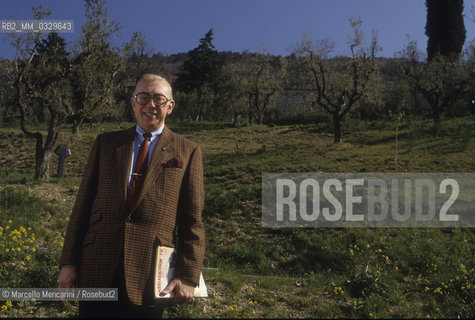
(176, 162)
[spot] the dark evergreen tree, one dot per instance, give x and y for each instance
(203, 66)
(202, 77)
(445, 28)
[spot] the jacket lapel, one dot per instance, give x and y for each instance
(124, 150)
(164, 148)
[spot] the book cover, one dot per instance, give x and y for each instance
(165, 271)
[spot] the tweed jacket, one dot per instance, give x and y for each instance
(102, 230)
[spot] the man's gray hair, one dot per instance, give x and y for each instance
(152, 77)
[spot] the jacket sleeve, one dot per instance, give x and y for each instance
(191, 233)
(79, 219)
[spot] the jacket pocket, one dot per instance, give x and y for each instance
(89, 238)
(96, 216)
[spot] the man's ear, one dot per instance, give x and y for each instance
(171, 105)
(132, 100)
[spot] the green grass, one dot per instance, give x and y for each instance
(263, 272)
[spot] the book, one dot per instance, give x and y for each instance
(165, 271)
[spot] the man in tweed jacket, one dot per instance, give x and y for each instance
(110, 242)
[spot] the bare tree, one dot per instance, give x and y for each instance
(470, 69)
(40, 77)
(96, 69)
(237, 103)
(261, 77)
(95, 80)
(136, 52)
(441, 81)
(339, 84)
(235, 97)
(192, 104)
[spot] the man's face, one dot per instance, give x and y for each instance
(150, 116)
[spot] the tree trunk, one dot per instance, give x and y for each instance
(437, 120)
(75, 128)
(337, 128)
(77, 122)
(260, 116)
(43, 158)
(236, 119)
(251, 117)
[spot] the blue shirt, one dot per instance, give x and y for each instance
(138, 140)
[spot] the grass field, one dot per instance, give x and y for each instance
(253, 271)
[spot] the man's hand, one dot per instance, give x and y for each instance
(67, 277)
(182, 291)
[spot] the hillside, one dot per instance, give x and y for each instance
(253, 271)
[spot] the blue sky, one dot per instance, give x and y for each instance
(172, 26)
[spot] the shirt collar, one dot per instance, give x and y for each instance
(155, 133)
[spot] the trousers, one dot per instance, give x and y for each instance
(122, 308)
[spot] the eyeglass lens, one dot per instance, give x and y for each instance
(158, 99)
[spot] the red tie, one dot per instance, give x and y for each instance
(138, 175)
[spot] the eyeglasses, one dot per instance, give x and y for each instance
(143, 98)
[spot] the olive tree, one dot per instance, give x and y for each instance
(339, 84)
